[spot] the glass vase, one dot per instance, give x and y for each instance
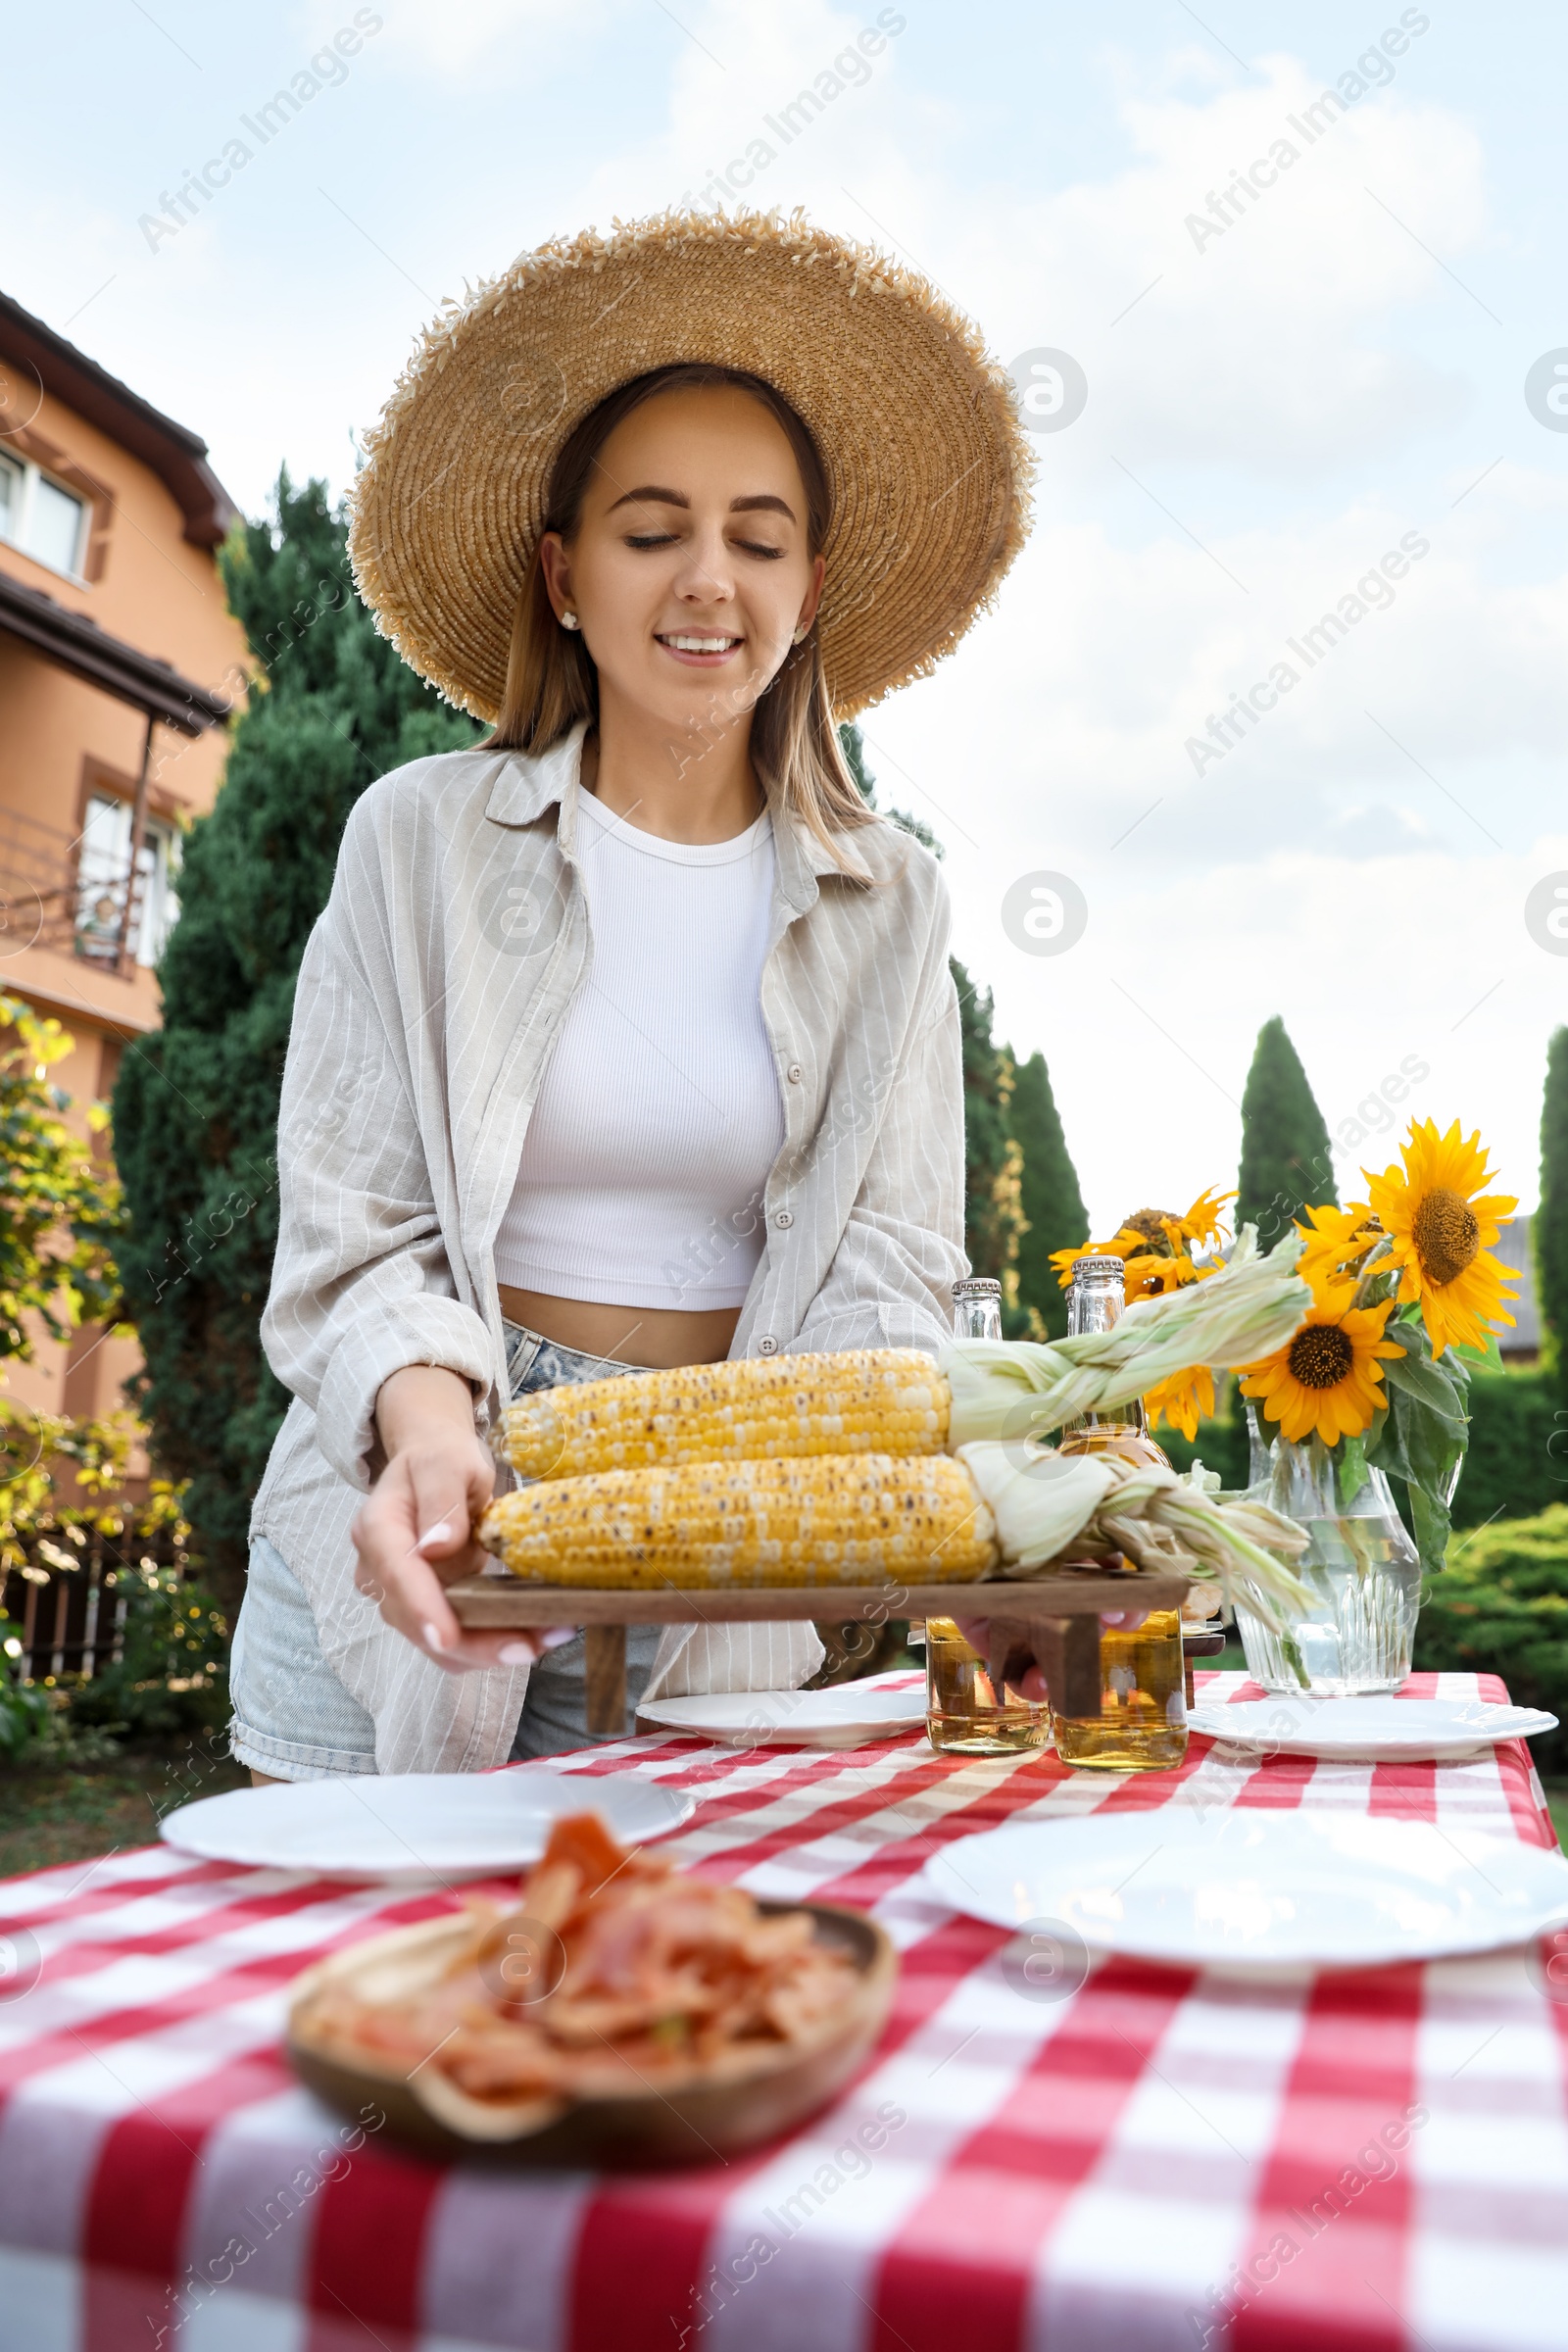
(1360, 1566)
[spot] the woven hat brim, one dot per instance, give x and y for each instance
(918, 427)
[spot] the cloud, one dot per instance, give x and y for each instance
(1149, 1025)
(1105, 660)
(1268, 348)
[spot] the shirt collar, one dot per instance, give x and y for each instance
(525, 787)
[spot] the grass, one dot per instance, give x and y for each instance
(49, 1817)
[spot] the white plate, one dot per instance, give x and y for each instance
(1408, 1728)
(846, 1716)
(1257, 1889)
(444, 1825)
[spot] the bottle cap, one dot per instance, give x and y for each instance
(1098, 1269)
(982, 1286)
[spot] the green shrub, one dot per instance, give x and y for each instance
(172, 1676)
(1501, 1606)
(1516, 1464)
(1513, 1468)
(24, 1713)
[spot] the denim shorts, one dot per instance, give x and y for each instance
(292, 1716)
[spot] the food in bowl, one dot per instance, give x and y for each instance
(615, 1974)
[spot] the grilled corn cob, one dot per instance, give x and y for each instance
(869, 1519)
(867, 1400)
(898, 1400)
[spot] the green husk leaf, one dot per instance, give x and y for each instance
(1023, 1389)
(1044, 1501)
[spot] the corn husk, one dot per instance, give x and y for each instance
(1044, 1502)
(1025, 1389)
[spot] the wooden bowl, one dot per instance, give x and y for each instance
(751, 2096)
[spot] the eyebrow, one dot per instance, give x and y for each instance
(651, 494)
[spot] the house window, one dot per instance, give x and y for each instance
(45, 520)
(102, 867)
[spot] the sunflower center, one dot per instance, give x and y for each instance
(1447, 1234)
(1320, 1356)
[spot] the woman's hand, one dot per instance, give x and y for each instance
(1031, 1684)
(415, 1535)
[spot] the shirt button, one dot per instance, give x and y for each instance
(768, 1346)
(784, 1217)
(793, 1073)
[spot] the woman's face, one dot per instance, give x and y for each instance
(689, 569)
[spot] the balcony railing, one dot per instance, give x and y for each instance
(57, 892)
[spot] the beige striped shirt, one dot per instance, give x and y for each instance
(431, 994)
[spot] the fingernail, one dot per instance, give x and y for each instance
(432, 1639)
(441, 1533)
(516, 1653)
(557, 1635)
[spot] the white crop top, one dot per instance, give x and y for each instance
(658, 1119)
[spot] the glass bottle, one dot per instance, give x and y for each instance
(1142, 1723)
(965, 1714)
(977, 1308)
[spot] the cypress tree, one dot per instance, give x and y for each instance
(1550, 1228)
(993, 1212)
(195, 1111)
(1051, 1204)
(1286, 1163)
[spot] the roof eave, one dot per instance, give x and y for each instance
(177, 455)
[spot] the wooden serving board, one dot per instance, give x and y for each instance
(1061, 1611)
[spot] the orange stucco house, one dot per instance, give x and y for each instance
(119, 663)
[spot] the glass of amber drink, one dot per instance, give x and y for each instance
(1142, 1723)
(967, 1715)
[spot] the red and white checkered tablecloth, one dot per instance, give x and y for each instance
(1145, 2166)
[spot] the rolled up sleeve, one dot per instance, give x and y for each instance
(361, 1285)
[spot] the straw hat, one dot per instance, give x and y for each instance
(917, 425)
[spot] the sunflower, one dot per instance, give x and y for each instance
(1183, 1401)
(1443, 1224)
(1338, 1238)
(1201, 1221)
(1326, 1378)
(1155, 1245)
(1150, 1275)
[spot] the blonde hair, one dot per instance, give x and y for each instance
(551, 684)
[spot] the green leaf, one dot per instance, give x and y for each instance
(1352, 1467)
(1431, 1386)
(1429, 1516)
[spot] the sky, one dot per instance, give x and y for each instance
(1328, 390)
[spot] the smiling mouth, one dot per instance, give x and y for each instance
(690, 643)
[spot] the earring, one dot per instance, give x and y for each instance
(569, 620)
(799, 635)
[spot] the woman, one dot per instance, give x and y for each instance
(626, 1039)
